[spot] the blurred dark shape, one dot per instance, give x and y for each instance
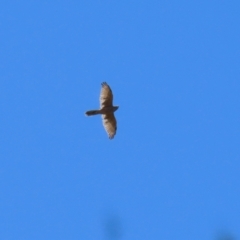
(225, 236)
(113, 228)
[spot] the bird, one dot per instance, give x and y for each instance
(106, 110)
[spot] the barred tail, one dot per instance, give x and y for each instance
(92, 112)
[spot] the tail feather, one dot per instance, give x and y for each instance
(92, 112)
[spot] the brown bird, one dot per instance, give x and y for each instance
(106, 110)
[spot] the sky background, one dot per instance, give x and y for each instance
(172, 172)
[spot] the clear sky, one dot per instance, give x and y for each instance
(172, 172)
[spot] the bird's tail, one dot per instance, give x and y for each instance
(92, 112)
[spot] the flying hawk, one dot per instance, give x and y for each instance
(106, 110)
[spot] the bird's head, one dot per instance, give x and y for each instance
(115, 108)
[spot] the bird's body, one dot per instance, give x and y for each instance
(106, 110)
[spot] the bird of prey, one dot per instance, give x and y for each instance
(106, 110)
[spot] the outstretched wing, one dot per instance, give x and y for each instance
(110, 124)
(106, 96)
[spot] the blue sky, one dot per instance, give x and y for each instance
(172, 170)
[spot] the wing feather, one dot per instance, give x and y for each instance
(106, 96)
(110, 124)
